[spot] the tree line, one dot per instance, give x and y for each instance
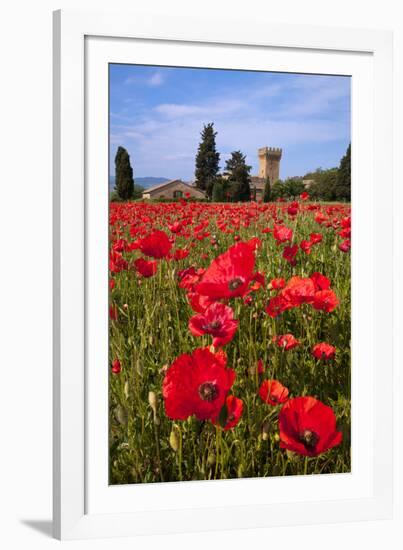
(234, 184)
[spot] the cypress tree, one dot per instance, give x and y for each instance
(267, 191)
(124, 183)
(342, 189)
(207, 160)
(238, 176)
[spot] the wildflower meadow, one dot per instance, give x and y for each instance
(229, 340)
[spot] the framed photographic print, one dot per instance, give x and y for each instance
(222, 222)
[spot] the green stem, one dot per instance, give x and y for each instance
(180, 453)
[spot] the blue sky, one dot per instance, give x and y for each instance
(157, 114)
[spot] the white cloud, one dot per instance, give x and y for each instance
(156, 79)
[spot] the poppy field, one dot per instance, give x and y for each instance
(229, 340)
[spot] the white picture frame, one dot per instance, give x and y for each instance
(84, 506)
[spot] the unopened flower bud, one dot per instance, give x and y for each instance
(116, 366)
(265, 431)
(152, 399)
(121, 415)
(174, 439)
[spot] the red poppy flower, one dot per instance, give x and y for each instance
(113, 312)
(120, 245)
(286, 341)
(180, 254)
(308, 427)
(190, 277)
(306, 246)
(260, 367)
(229, 274)
(289, 254)
(157, 245)
(257, 281)
(324, 351)
(197, 384)
(282, 233)
(304, 196)
(345, 245)
(234, 407)
(277, 305)
(320, 281)
(134, 245)
(292, 210)
(199, 303)
(277, 284)
(345, 233)
(116, 366)
(273, 393)
(175, 227)
(116, 262)
(217, 320)
(299, 290)
(316, 238)
(320, 217)
(255, 243)
(145, 268)
(326, 300)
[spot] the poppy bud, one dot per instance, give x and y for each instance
(174, 439)
(265, 431)
(121, 415)
(116, 366)
(152, 399)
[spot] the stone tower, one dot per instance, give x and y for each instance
(269, 163)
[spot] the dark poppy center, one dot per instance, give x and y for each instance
(309, 439)
(212, 326)
(235, 283)
(208, 391)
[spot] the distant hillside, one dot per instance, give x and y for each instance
(145, 182)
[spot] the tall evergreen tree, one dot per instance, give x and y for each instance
(267, 191)
(207, 160)
(238, 173)
(342, 188)
(124, 183)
